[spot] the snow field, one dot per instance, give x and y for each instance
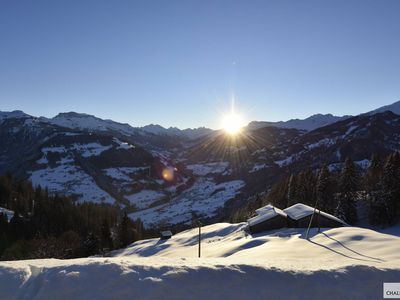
(340, 263)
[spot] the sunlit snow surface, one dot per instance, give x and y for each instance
(208, 168)
(70, 179)
(203, 198)
(341, 263)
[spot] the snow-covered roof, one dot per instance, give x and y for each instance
(265, 213)
(8, 212)
(166, 233)
(300, 210)
(264, 209)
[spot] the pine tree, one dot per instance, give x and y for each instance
(5, 190)
(139, 228)
(258, 201)
(348, 186)
(306, 182)
(292, 194)
(324, 191)
(16, 226)
(277, 196)
(105, 235)
(378, 210)
(391, 186)
(373, 176)
(91, 244)
(3, 232)
(125, 233)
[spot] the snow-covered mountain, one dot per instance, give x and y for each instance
(80, 121)
(191, 133)
(339, 263)
(319, 120)
(165, 179)
(98, 160)
(394, 108)
(308, 124)
(12, 114)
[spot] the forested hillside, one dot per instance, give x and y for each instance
(358, 196)
(34, 224)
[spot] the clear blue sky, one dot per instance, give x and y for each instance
(177, 63)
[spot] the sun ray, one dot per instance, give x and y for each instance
(232, 122)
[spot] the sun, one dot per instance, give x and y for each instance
(232, 123)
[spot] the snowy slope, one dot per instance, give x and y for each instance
(13, 114)
(342, 263)
(319, 120)
(191, 133)
(310, 123)
(82, 121)
(204, 198)
(394, 108)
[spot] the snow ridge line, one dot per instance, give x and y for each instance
(32, 284)
(123, 279)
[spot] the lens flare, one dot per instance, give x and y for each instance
(168, 174)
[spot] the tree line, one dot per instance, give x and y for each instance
(46, 225)
(341, 193)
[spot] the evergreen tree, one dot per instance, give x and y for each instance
(278, 194)
(325, 190)
(3, 232)
(348, 186)
(5, 190)
(91, 244)
(306, 187)
(139, 228)
(373, 176)
(16, 227)
(391, 186)
(125, 232)
(378, 210)
(105, 235)
(292, 194)
(257, 202)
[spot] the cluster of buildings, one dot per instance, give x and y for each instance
(296, 216)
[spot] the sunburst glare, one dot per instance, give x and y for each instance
(232, 122)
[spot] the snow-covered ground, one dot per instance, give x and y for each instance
(123, 173)
(70, 179)
(208, 168)
(145, 198)
(341, 263)
(204, 198)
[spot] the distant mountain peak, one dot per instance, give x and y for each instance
(190, 133)
(308, 124)
(13, 114)
(394, 108)
(73, 114)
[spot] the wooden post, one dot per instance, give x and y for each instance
(312, 217)
(199, 240)
(319, 224)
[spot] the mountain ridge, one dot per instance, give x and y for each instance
(164, 179)
(70, 120)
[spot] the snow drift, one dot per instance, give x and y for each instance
(340, 263)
